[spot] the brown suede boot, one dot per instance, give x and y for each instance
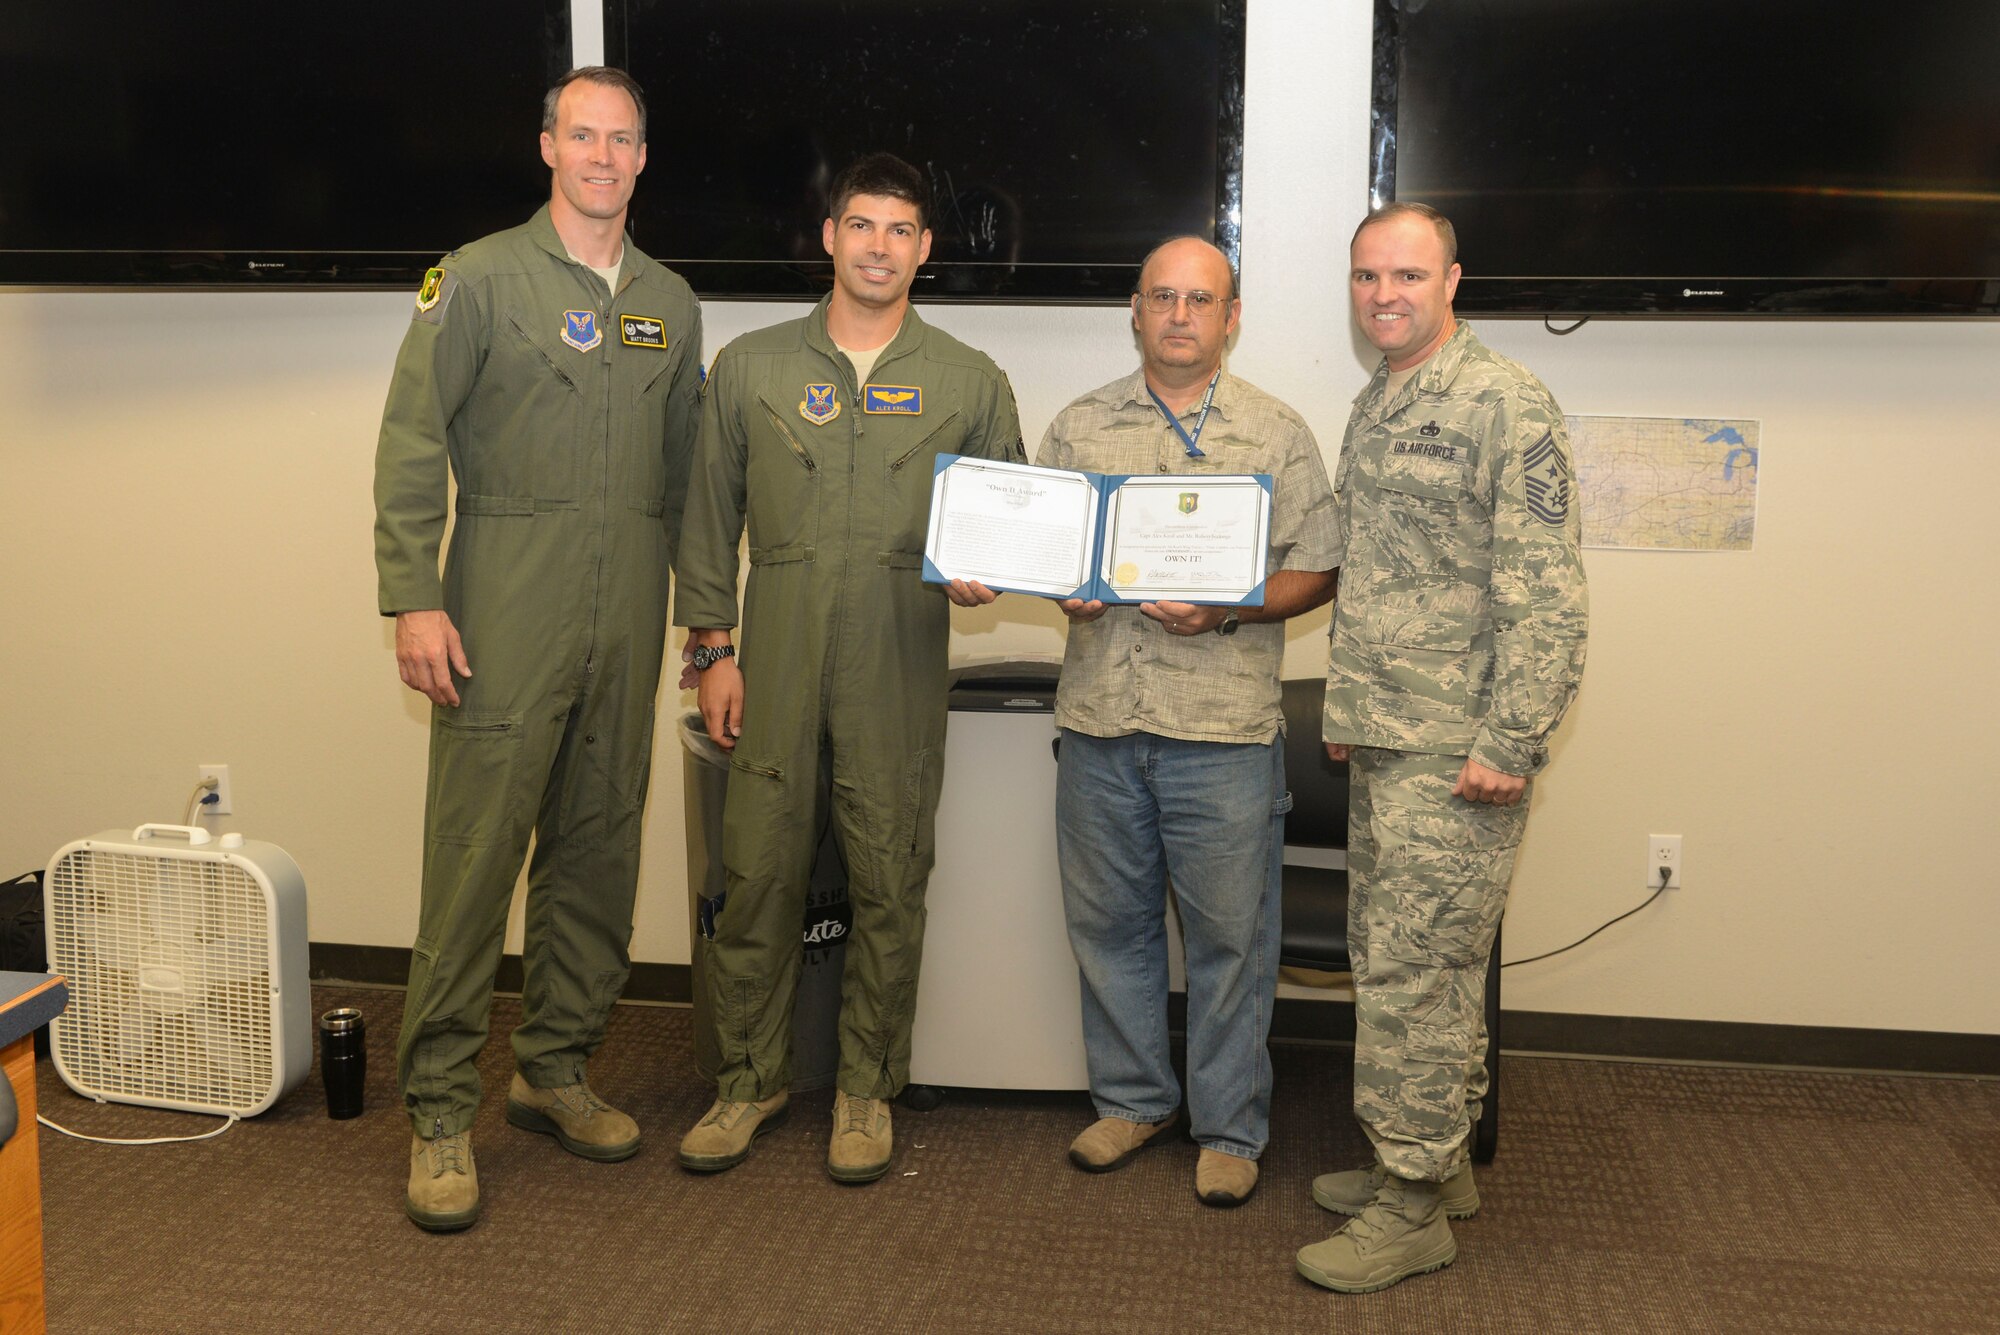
(583, 1123)
(859, 1150)
(1110, 1142)
(1401, 1233)
(1223, 1180)
(443, 1195)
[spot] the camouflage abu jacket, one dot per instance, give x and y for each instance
(1460, 623)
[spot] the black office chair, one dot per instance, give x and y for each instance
(1314, 935)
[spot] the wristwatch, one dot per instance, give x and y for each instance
(707, 656)
(1227, 626)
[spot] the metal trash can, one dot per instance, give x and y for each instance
(823, 934)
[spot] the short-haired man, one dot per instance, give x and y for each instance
(553, 372)
(819, 433)
(1458, 643)
(1171, 764)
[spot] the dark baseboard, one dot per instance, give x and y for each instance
(390, 966)
(1297, 1019)
(1752, 1044)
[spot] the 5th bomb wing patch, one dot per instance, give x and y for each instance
(434, 296)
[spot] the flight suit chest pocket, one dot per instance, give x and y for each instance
(782, 479)
(527, 436)
(645, 446)
(909, 451)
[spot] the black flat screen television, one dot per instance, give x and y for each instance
(1624, 157)
(238, 143)
(1062, 138)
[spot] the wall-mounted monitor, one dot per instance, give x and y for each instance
(239, 143)
(1062, 138)
(1623, 157)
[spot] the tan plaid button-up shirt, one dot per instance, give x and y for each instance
(1124, 673)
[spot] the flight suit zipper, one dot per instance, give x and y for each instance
(896, 465)
(541, 352)
(798, 450)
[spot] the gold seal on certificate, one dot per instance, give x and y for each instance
(1126, 574)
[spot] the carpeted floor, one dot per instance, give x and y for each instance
(1625, 1198)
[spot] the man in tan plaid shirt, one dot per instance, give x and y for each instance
(1171, 763)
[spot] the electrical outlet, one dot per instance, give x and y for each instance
(1663, 850)
(221, 805)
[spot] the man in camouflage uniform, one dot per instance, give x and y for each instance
(1458, 642)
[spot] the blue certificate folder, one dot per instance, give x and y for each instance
(1112, 537)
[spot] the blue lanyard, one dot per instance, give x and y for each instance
(1207, 402)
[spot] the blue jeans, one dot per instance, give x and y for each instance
(1132, 812)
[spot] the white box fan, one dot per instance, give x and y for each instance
(186, 961)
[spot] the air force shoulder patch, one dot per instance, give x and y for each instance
(1546, 469)
(905, 399)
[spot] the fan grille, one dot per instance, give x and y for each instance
(168, 963)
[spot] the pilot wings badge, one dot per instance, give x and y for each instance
(905, 399)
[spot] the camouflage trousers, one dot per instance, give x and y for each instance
(1427, 881)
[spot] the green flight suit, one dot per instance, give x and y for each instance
(843, 654)
(566, 414)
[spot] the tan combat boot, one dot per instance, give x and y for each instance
(443, 1195)
(1351, 1191)
(1401, 1233)
(584, 1124)
(1110, 1142)
(859, 1151)
(721, 1139)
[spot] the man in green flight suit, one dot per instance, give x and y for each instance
(553, 372)
(820, 434)
(1457, 646)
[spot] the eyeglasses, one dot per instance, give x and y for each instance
(1161, 300)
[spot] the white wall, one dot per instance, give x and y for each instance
(184, 530)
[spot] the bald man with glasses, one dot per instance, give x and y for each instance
(1171, 762)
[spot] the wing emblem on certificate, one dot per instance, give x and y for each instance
(1063, 534)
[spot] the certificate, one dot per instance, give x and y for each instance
(1012, 526)
(1196, 538)
(1186, 539)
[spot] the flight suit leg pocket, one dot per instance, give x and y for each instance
(633, 798)
(756, 812)
(916, 817)
(423, 967)
(475, 763)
